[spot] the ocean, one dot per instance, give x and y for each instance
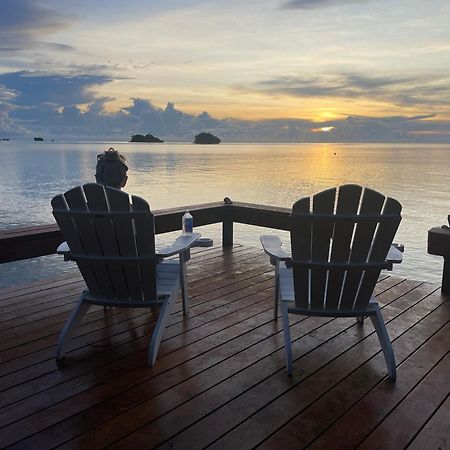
(177, 174)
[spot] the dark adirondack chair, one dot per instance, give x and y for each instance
(341, 239)
(112, 239)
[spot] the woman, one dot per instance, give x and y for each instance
(111, 169)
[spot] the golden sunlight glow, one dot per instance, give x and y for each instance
(322, 129)
(226, 102)
(327, 115)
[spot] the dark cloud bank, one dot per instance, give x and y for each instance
(46, 105)
(318, 4)
(23, 23)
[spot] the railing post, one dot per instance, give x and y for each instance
(227, 226)
(439, 244)
(446, 276)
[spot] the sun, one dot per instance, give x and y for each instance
(327, 115)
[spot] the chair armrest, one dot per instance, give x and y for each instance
(181, 244)
(394, 256)
(64, 249)
(272, 246)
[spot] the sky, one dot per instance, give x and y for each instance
(259, 70)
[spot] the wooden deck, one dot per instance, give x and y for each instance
(220, 380)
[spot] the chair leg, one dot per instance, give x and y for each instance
(287, 337)
(385, 342)
(184, 288)
(277, 291)
(70, 325)
(160, 327)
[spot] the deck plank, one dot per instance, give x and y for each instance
(220, 380)
(400, 427)
(435, 433)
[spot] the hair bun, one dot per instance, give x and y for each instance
(112, 155)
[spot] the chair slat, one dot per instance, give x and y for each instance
(67, 224)
(145, 242)
(381, 243)
(125, 236)
(386, 231)
(76, 200)
(301, 249)
(323, 203)
(371, 203)
(97, 201)
(348, 203)
(72, 237)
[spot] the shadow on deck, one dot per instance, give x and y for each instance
(219, 380)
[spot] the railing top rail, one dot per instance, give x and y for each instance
(27, 242)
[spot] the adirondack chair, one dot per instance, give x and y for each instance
(113, 243)
(340, 240)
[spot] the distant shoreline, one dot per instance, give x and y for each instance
(106, 141)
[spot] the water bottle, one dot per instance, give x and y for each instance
(187, 224)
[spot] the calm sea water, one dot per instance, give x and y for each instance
(176, 174)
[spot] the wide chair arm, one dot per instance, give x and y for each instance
(180, 245)
(273, 246)
(64, 249)
(394, 256)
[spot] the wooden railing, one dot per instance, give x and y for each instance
(23, 243)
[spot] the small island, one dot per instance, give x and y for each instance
(206, 138)
(38, 139)
(147, 138)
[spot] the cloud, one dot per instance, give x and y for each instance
(23, 23)
(33, 88)
(65, 107)
(316, 4)
(171, 124)
(7, 95)
(404, 91)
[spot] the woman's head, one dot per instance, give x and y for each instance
(111, 169)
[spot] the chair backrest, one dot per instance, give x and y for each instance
(111, 239)
(340, 239)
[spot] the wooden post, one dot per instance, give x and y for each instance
(446, 277)
(227, 227)
(439, 244)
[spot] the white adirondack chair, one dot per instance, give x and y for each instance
(341, 239)
(113, 243)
